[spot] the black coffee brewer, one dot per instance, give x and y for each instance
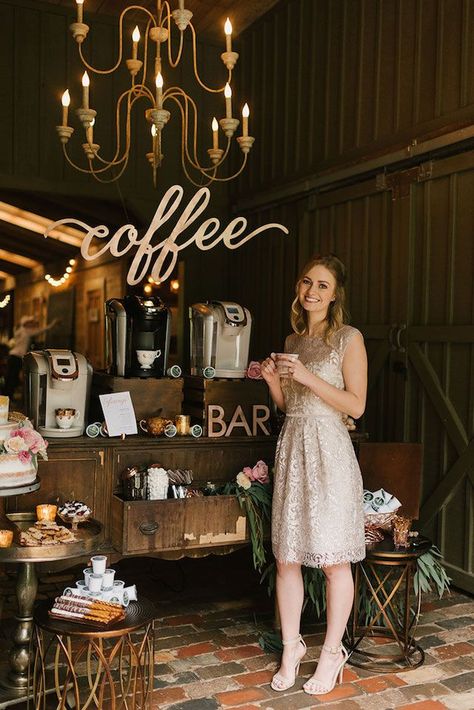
(137, 331)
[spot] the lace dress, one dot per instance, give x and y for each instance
(317, 511)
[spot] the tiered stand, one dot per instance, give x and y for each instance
(14, 683)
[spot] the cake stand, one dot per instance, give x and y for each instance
(15, 681)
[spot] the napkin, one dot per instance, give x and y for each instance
(380, 502)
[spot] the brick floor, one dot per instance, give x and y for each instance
(207, 655)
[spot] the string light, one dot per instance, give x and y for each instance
(62, 279)
(174, 285)
(5, 301)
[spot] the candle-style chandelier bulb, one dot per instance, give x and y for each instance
(66, 98)
(159, 42)
(246, 111)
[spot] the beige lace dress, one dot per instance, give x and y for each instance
(317, 511)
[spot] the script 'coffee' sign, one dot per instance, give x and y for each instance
(166, 250)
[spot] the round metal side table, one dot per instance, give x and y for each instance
(387, 573)
(89, 534)
(117, 661)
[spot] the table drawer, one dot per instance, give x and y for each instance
(191, 523)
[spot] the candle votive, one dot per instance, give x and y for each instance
(46, 512)
(99, 563)
(87, 573)
(95, 582)
(401, 528)
(6, 538)
(108, 579)
(182, 423)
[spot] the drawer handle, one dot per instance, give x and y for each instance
(148, 528)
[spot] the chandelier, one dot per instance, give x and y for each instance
(149, 83)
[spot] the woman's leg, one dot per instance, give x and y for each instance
(290, 595)
(339, 599)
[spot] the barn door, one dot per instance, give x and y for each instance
(407, 240)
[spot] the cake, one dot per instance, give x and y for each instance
(20, 445)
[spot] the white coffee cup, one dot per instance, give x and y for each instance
(99, 563)
(108, 579)
(95, 582)
(87, 574)
(66, 416)
(282, 365)
(146, 358)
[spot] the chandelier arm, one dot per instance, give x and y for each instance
(116, 160)
(174, 93)
(145, 53)
(196, 74)
(119, 60)
(232, 177)
(174, 63)
(95, 173)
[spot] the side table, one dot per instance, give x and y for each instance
(387, 573)
(117, 668)
(15, 683)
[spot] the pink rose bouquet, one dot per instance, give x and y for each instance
(258, 473)
(254, 370)
(26, 443)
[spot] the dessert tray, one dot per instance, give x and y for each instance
(87, 539)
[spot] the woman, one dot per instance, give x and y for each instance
(317, 514)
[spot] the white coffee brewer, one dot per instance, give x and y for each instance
(55, 380)
(220, 338)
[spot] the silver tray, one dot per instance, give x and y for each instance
(88, 537)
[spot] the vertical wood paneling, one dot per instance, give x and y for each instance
(7, 89)
(26, 82)
(355, 78)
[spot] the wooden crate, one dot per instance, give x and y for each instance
(150, 396)
(169, 525)
(202, 397)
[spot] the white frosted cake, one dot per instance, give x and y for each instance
(20, 445)
(14, 472)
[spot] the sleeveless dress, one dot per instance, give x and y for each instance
(317, 510)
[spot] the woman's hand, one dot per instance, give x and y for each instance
(295, 369)
(269, 370)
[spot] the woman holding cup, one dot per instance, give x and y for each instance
(317, 513)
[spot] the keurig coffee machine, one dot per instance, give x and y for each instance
(220, 338)
(137, 331)
(57, 380)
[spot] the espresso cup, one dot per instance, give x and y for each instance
(66, 416)
(146, 358)
(282, 365)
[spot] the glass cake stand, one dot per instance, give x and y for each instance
(14, 683)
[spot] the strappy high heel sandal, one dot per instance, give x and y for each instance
(316, 687)
(280, 682)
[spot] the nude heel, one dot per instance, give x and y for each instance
(309, 686)
(285, 683)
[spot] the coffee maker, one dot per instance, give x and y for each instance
(220, 338)
(56, 379)
(137, 332)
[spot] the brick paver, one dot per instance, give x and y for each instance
(207, 655)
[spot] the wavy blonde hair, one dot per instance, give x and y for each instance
(337, 313)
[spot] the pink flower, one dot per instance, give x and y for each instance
(260, 472)
(35, 441)
(254, 370)
(24, 456)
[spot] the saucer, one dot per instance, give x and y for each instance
(56, 431)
